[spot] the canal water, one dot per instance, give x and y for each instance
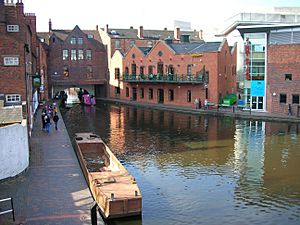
(194, 169)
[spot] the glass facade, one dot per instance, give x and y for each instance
(255, 70)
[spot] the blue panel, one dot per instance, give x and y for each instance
(257, 88)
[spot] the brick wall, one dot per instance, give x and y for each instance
(282, 59)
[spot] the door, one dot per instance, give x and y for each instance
(160, 96)
(133, 94)
(257, 102)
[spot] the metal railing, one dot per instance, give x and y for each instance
(11, 210)
(165, 78)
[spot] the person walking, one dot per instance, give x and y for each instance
(48, 123)
(43, 120)
(55, 120)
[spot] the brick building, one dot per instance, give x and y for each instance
(76, 58)
(177, 73)
(120, 41)
(18, 52)
(272, 65)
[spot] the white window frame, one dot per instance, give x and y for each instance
(12, 28)
(11, 60)
(90, 36)
(65, 54)
(12, 98)
(73, 41)
(88, 54)
(80, 54)
(80, 41)
(73, 54)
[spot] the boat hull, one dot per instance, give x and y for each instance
(114, 190)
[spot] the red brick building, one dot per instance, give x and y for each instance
(76, 58)
(18, 52)
(274, 63)
(177, 73)
(120, 41)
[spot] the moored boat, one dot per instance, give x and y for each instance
(113, 188)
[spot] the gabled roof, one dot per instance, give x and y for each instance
(63, 34)
(150, 34)
(190, 48)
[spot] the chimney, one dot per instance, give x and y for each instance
(177, 33)
(97, 28)
(141, 32)
(20, 8)
(106, 29)
(201, 34)
(50, 26)
(131, 27)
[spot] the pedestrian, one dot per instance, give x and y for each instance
(196, 102)
(43, 120)
(289, 110)
(55, 120)
(205, 104)
(48, 123)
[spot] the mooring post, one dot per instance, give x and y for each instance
(94, 213)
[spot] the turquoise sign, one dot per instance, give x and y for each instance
(257, 88)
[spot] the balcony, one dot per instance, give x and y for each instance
(165, 78)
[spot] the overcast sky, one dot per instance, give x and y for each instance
(155, 14)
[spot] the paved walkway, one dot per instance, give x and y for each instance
(213, 111)
(53, 191)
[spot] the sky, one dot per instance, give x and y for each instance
(208, 15)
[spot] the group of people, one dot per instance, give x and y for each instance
(48, 113)
(198, 103)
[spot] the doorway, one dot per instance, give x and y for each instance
(133, 94)
(257, 102)
(160, 96)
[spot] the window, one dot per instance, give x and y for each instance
(117, 73)
(12, 98)
(88, 54)
(90, 36)
(295, 99)
(65, 54)
(282, 98)
(118, 44)
(117, 91)
(171, 95)
(80, 54)
(150, 93)
(288, 76)
(189, 70)
(80, 41)
(73, 54)
(13, 28)
(142, 92)
(142, 70)
(89, 72)
(160, 53)
(150, 69)
(149, 44)
(189, 96)
(73, 41)
(127, 92)
(126, 70)
(11, 61)
(131, 43)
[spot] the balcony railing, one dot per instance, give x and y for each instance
(164, 78)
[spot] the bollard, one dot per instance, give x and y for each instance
(233, 108)
(94, 214)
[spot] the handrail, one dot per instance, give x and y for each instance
(12, 210)
(165, 78)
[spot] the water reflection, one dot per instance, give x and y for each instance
(201, 169)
